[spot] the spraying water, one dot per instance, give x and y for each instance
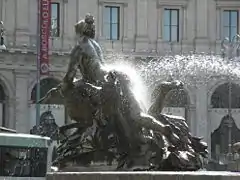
(138, 87)
(191, 67)
(187, 68)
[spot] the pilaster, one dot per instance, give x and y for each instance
(201, 111)
(192, 118)
(11, 113)
(142, 25)
(22, 120)
(22, 22)
(201, 26)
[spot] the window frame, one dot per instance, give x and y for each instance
(173, 4)
(171, 25)
(123, 4)
(229, 25)
(222, 5)
(110, 23)
(58, 19)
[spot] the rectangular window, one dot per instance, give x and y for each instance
(230, 23)
(111, 22)
(55, 19)
(171, 25)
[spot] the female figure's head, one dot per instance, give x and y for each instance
(85, 27)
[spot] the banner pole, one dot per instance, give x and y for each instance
(38, 66)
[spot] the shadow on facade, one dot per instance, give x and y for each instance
(2, 106)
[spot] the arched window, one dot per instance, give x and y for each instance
(227, 131)
(45, 86)
(220, 97)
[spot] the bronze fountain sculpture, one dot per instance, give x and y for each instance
(109, 121)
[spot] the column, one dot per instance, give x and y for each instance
(202, 111)
(142, 25)
(22, 120)
(11, 113)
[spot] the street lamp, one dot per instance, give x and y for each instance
(230, 46)
(2, 45)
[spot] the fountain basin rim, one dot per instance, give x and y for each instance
(192, 173)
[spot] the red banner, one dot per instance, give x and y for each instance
(45, 24)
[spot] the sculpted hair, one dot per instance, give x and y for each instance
(86, 27)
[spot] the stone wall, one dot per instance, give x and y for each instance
(141, 24)
(206, 175)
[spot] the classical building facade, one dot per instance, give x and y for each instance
(136, 28)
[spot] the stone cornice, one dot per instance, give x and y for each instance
(27, 61)
(124, 2)
(32, 52)
(227, 3)
(182, 3)
(59, 1)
